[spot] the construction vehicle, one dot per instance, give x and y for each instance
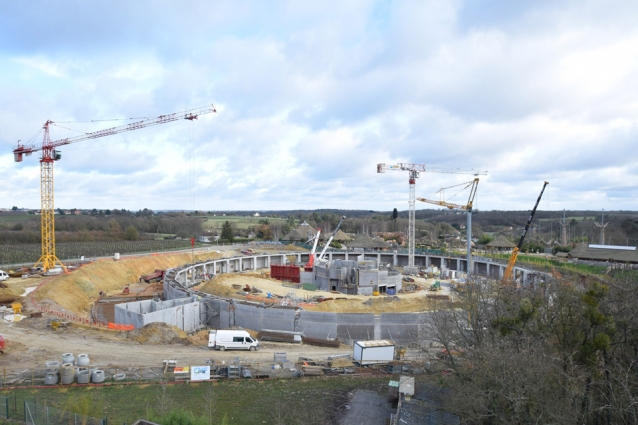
(473, 185)
(325, 248)
(311, 258)
(50, 154)
(154, 277)
(415, 170)
(507, 276)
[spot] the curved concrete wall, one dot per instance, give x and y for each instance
(403, 328)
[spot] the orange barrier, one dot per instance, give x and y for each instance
(121, 327)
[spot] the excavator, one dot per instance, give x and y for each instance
(507, 276)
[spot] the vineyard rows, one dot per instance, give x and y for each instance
(30, 253)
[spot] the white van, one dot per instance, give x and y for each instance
(237, 339)
(3, 276)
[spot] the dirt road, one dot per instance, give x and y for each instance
(30, 344)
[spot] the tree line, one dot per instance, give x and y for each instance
(565, 353)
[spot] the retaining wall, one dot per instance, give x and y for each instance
(195, 310)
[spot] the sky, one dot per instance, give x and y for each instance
(312, 95)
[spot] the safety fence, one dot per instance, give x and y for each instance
(35, 412)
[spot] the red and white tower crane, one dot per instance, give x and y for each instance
(414, 171)
(50, 155)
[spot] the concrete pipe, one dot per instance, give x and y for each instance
(83, 360)
(119, 376)
(51, 378)
(97, 376)
(67, 374)
(84, 376)
(53, 365)
(68, 358)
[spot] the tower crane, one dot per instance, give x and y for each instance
(507, 276)
(473, 185)
(50, 154)
(414, 171)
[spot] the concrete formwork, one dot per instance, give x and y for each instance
(318, 325)
(279, 319)
(402, 328)
(355, 326)
(183, 313)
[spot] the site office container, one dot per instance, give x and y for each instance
(289, 273)
(371, 352)
(231, 339)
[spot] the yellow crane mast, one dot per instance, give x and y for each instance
(48, 258)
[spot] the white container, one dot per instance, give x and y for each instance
(372, 352)
(116, 256)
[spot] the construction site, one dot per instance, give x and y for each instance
(297, 312)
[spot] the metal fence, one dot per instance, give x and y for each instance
(34, 412)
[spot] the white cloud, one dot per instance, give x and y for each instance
(311, 95)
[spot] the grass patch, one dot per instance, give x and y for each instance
(548, 264)
(240, 222)
(306, 401)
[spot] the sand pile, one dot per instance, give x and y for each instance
(199, 339)
(158, 333)
(75, 291)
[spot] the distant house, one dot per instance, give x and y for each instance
(604, 253)
(364, 241)
(306, 230)
(293, 236)
(256, 214)
(501, 244)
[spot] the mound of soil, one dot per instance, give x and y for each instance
(159, 333)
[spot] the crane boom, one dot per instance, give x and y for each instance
(311, 258)
(473, 185)
(50, 155)
(325, 248)
(190, 114)
(414, 170)
(507, 276)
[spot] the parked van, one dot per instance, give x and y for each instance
(3, 276)
(232, 339)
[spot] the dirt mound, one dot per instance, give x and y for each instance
(76, 291)
(159, 333)
(199, 339)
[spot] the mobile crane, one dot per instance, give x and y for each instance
(311, 258)
(325, 248)
(50, 154)
(507, 276)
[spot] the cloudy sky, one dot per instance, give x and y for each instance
(311, 95)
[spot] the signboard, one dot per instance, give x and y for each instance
(200, 373)
(181, 369)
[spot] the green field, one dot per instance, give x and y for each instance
(15, 217)
(305, 401)
(240, 222)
